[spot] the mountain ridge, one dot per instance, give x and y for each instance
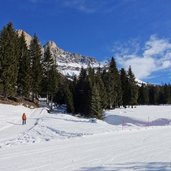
(69, 63)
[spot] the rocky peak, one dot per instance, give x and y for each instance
(51, 45)
(28, 38)
(68, 63)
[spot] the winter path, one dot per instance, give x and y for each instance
(13, 128)
(130, 139)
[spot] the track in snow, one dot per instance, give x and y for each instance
(51, 142)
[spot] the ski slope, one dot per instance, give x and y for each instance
(129, 139)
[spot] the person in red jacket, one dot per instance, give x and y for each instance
(24, 119)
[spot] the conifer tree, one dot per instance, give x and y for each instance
(53, 82)
(82, 93)
(36, 67)
(49, 80)
(108, 84)
(124, 85)
(87, 98)
(152, 98)
(133, 89)
(24, 77)
(113, 85)
(161, 96)
(153, 94)
(59, 96)
(69, 99)
(101, 88)
(167, 94)
(8, 60)
(95, 107)
(143, 97)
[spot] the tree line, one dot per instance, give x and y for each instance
(25, 70)
(29, 72)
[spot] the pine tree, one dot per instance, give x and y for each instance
(24, 78)
(69, 99)
(167, 94)
(87, 98)
(59, 96)
(133, 89)
(124, 85)
(143, 97)
(49, 72)
(53, 82)
(161, 96)
(101, 88)
(153, 94)
(82, 92)
(8, 60)
(36, 67)
(95, 107)
(113, 85)
(152, 99)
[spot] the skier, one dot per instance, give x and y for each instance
(24, 119)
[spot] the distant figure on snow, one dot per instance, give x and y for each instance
(24, 119)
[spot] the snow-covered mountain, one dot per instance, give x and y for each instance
(139, 82)
(68, 63)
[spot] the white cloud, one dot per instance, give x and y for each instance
(166, 64)
(154, 56)
(156, 46)
(142, 67)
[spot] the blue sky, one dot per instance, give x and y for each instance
(135, 32)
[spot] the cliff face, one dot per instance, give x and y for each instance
(28, 38)
(69, 63)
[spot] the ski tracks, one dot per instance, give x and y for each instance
(18, 134)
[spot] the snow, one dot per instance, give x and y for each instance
(129, 139)
(140, 82)
(73, 68)
(140, 116)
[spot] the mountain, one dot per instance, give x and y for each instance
(28, 38)
(69, 64)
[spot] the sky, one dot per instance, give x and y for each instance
(135, 32)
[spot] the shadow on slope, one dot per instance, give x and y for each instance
(127, 121)
(70, 120)
(140, 166)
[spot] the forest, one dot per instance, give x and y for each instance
(29, 73)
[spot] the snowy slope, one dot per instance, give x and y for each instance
(130, 139)
(140, 116)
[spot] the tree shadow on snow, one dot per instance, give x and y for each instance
(140, 166)
(69, 120)
(120, 120)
